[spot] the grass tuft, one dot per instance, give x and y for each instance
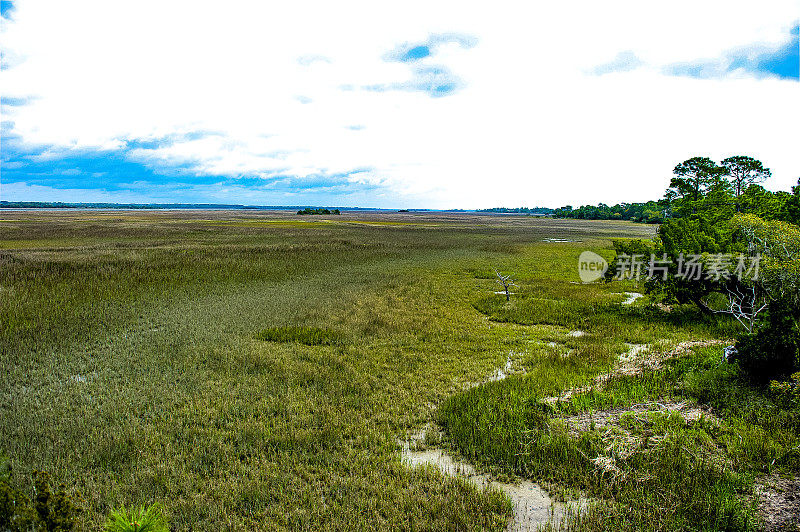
(137, 519)
(301, 335)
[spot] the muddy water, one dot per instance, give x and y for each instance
(532, 505)
(632, 297)
(503, 372)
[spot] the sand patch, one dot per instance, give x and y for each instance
(779, 502)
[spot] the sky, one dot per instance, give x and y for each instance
(404, 105)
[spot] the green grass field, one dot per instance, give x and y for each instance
(252, 370)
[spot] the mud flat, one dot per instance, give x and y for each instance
(532, 505)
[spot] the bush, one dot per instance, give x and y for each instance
(773, 351)
(50, 512)
(141, 519)
(787, 392)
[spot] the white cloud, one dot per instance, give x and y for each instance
(530, 125)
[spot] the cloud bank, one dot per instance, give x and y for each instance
(452, 105)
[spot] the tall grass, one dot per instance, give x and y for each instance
(132, 370)
(251, 371)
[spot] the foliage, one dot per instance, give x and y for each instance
(778, 243)
(774, 239)
(701, 187)
(744, 171)
(767, 348)
(50, 512)
(678, 239)
(652, 212)
(693, 179)
(761, 202)
(791, 207)
(787, 392)
(309, 210)
(773, 351)
(137, 519)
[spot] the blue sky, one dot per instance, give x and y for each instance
(453, 106)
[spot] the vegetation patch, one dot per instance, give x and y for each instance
(147, 323)
(301, 335)
(309, 210)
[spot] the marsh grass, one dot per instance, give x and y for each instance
(684, 475)
(301, 335)
(132, 370)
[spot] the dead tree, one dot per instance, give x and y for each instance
(507, 282)
(745, 303)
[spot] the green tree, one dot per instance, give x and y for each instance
(773, 348)
(680, 239)
(791, 208)
(761, 202)
(744, 171)
(692, 179)
(718, 204)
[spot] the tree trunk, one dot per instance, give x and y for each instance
(702, 304)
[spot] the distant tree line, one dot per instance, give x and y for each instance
(309, 210)
(652, 212)
(700, 185)
(541, 211)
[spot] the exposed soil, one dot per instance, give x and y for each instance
(632, 364)
(625, 431)
(779, 503)
(605, 418)
(532, 505)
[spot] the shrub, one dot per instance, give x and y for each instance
(50, 512)
(137, 519)
(773, 351)
(787, 392)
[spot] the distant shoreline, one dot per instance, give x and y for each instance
(49, 206)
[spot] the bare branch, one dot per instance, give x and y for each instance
(506, 281)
